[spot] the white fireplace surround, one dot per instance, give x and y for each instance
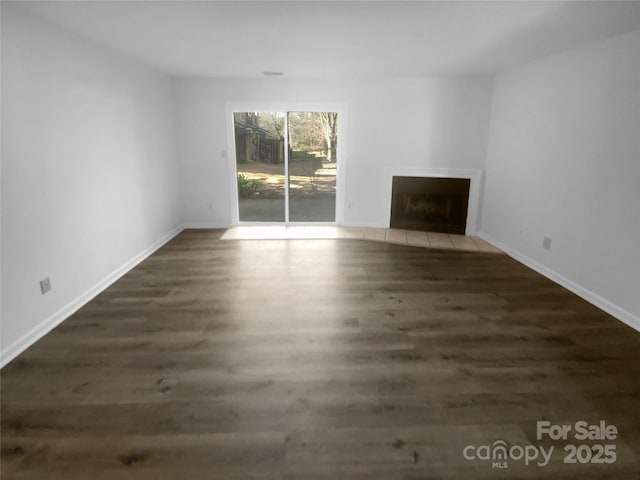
(474, 175)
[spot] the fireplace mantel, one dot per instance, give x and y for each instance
(474, 175)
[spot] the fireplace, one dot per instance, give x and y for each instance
(430, 204)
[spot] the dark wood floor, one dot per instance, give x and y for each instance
(328, 359)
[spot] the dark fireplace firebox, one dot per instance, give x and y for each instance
(430, 204)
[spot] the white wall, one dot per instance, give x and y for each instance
(90, 178)
(564, 162)
(433, 122)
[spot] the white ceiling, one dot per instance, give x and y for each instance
(319, 39)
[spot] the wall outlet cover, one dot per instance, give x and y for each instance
(45, 285)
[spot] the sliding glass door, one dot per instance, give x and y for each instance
(312, 166)
(260, 166)
(286, 166)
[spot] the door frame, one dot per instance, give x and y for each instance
(341, 170)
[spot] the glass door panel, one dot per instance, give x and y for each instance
(312, 166)
(260, 166)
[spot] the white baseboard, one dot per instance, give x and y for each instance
(362, 225)
(612, 309)
(48, 324)
(370, 225)
(205, 225)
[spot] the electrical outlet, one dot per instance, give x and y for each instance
(546, 243)
(525, 229)
(45, 285)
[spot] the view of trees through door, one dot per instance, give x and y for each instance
(296, 185)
